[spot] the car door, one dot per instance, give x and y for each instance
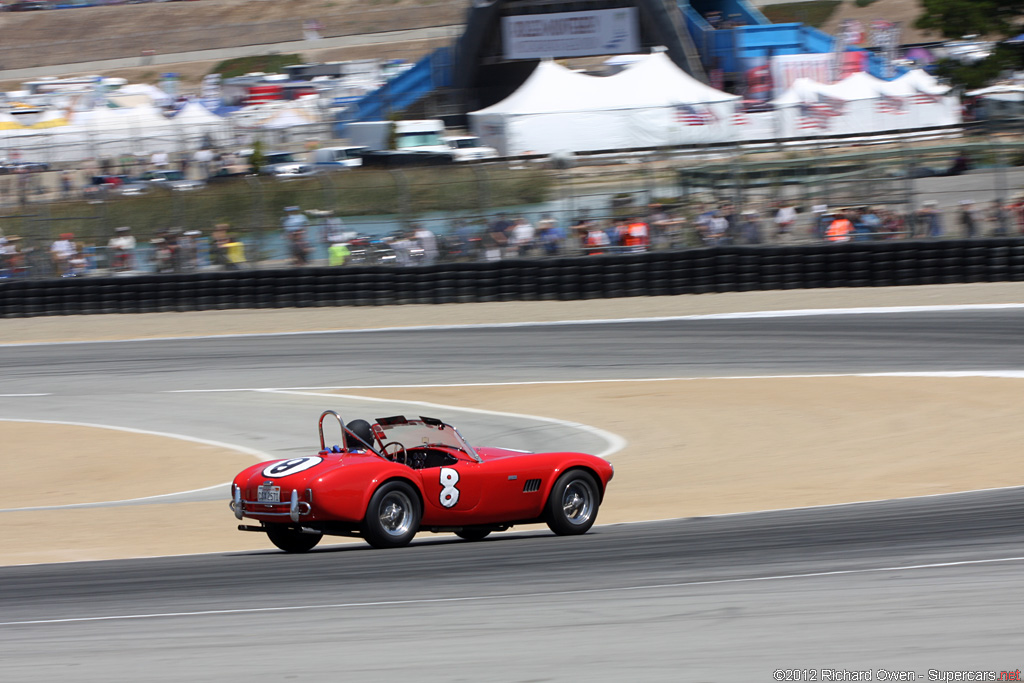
(470, 492)
(453, 493)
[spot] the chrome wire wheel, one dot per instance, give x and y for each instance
(396, 513)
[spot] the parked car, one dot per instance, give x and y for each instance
(280, 164)
(469, 148)
(8, 166)
(147, 181)
(229, 172)
(398, 476)
(339, 157)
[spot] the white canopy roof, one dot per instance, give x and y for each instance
(134, 118)
(861, 86)
(922, 81)
(193, 113)
(653, 81)
(155, 94)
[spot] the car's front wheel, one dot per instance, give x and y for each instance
(572, 505)
(290, 539)
(393, 516)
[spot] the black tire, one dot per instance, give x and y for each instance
(473, 533)
(393, 516)
(290, 539)
(572, 506)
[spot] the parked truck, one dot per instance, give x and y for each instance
(401, 143)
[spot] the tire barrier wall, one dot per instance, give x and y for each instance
(717, 269)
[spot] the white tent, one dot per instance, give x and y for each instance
(105, 119)
(651, 103)
(195, 118)
(861, 103)
(157, 96)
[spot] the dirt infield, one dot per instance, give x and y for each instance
(695, 447)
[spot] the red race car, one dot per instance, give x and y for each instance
(398, 476)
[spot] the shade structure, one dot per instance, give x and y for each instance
(651, 103)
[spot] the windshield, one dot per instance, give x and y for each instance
(419, 433)
(467, 143)
(422, 139)
(280, 158)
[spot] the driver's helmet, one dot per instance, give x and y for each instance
(362, 431)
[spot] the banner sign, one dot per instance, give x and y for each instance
(571, 34)
(787, 68)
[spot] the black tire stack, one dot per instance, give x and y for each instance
(694, 271)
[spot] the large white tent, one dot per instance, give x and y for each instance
(861, 103)
(651, 103)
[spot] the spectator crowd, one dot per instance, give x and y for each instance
(320, 237)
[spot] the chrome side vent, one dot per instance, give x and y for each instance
(531, 486)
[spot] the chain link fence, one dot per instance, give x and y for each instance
(907, 186)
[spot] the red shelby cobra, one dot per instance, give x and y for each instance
(395, 477)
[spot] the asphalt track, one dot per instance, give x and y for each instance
(911, 585)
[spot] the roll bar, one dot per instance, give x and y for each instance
(345, 434)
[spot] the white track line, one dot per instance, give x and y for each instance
(260, 455)
(746, 315)
(513, 596)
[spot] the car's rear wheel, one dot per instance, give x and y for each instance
(291, 539)
(573, 503)
(472, 533)
(393, 516)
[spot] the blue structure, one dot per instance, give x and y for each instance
(432, 72)
(754, 36)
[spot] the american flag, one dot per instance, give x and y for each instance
(689, 115)
(887, 104)
(740, 118)
(831, 106)
(813, 116)
(921, 97)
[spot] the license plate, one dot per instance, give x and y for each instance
(268, 494)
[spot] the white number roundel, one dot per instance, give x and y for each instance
(449, 494)
(283, 468)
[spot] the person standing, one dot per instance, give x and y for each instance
(637, 236)
(840, 229)
(785, 218)
(522, 237)
(337, 253)
(295, 225)
(967, 219)
(750, 228)
(427, 241)
(718, 229)
(61, 252)
(550, 235)
(930, 220)
(121, 249)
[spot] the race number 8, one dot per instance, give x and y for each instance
(449, 494)
(286, 467)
